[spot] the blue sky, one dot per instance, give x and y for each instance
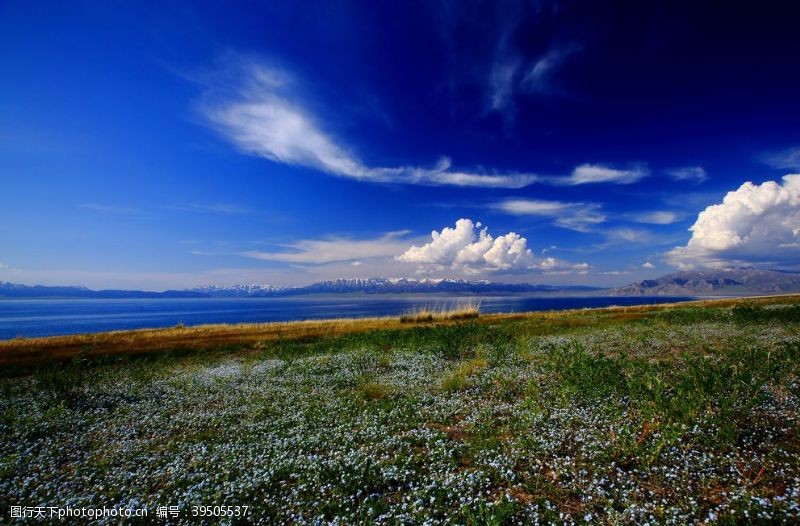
(167, 145)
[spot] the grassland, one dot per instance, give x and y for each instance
(662, 415)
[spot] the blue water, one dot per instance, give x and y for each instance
(54, 317)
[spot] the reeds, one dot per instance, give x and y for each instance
(443, 312)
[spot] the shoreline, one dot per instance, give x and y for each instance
(23, 351)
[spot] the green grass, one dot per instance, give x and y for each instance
(674, 416)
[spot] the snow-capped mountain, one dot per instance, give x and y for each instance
(335, 286)
(251, 290)
(382, 286)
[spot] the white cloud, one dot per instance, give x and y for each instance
(110, 209)
(788, 159)
(688, 173)
(648, 265)
(575, 216)
(334, 249)
(471, 249)
(596, 173)
(260, 116)
(501, 83)
(536, 78)
(214, 208)
(627, 235)
(659, 217)
(539, 76)
(755, 224)
(8, 269)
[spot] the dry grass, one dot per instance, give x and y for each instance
(459, 311)
(374, 390)
(34, 351)
(28, 351)
(459, 379)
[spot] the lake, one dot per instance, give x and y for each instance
(45, 317)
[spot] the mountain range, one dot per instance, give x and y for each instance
(337, 286)
(705, 282)
(715, 282)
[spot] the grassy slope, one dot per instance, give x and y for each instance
(667, 415)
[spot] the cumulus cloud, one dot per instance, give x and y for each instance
(259, 114)
(467, 245)
(335, 249)
(470, 248)
(755, 224)
(596, 173)
(788, 159)
(694, 174)
(575, 216)
(648, 265)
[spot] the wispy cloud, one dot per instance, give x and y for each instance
(259, 115)
(110, 209)
(788, 159)
(597, 173)
(628, 236)
(695, 174)
(539, 78)
(574, 216)
(579, 216)
(336, 249)
(501, 83)
(658, 217)
(506, 61)
(9, 269)
(214, 208)
(510, 75)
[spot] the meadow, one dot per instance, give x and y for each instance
(678, 414)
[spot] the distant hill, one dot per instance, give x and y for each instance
(14, 290)
(710, 282)
(337, 286)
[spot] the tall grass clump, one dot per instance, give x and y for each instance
(751, 313)
(465, 310)
(374, 390)
(686, 315)
(458, 380)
